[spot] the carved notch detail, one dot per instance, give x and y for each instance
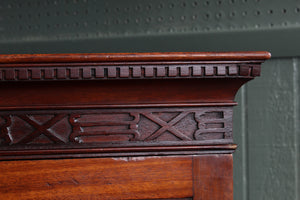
(26, 73)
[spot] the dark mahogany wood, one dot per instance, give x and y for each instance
(206, 177)
(106, 178)
(212, 177)
(121, 57)
(137, 125)
(118, 125)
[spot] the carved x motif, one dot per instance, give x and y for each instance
(166, 126)
(42, 129)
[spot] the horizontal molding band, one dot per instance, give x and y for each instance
(27, 73)
(60, 107)
(121, 57)
(116, 132)
(115, 152)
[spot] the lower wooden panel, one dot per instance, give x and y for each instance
(203, 177)
(97, 178)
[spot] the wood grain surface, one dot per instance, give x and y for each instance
(100, 178)
(212, 176)
(205, 177)
(121, 57)
(81, 93)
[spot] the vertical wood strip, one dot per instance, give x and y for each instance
(212, 177)
(196, 178)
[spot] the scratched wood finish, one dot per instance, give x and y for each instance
(106, 178)
(206, 177)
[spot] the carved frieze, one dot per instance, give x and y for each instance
(144, 125)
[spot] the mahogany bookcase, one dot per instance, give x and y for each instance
(120, 125)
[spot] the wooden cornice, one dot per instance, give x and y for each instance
(98, 105)
(129, 57)
(45, 67)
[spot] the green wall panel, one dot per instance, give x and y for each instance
(272, 155)
(267, 129)
(35, 20)
(74, 26)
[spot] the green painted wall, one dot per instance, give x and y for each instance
(266, 164)
(64, 26)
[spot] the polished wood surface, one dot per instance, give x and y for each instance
(213, 177)
(206, 177)
(91, 93)
(136, 125)
(120, 57)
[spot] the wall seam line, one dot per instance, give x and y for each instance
(296, 123)
(244, 141)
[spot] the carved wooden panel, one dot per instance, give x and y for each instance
(202, 124)
(134, 71)
(148, 125)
